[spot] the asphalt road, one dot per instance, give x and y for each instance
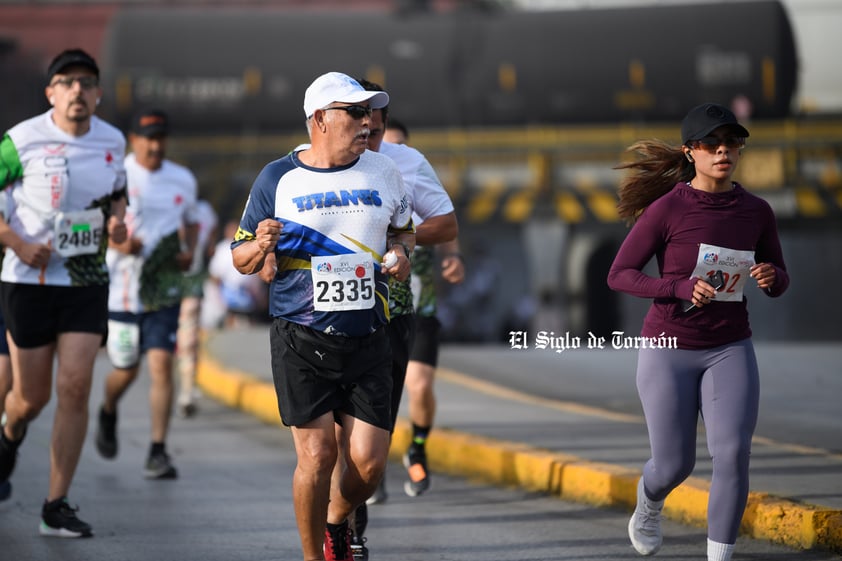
(800, 384)
(233, 502)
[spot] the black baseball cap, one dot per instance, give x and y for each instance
(150, 122)
(71, 57)
(706, 118)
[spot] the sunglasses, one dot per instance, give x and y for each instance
(711, 143)
(355, 111)
(85, 82)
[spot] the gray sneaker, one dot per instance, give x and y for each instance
(380, 495)
(415, 461)
(159, 466)
(186, 410)
(645, 523)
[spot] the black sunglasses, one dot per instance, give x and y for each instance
(711, 143)
(86, 82)
(355, 111)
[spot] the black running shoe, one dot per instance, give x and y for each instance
(358, 549)
(360, 521)
(5, 490)
(8, 454)
(338, 543)
(106, 434)
(159, 466)
(415, 461)
(58, 520)
(187, 410)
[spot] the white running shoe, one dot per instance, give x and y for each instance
(645, 524)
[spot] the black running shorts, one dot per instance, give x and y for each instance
(4, 344)
(35, 314)
(401, 337)
(316, 373)
(426, 347)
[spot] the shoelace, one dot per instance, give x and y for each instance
(338, 546)
(649, 519)
(66, 510)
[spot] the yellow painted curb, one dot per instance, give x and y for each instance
(567, 477)
(239, 390)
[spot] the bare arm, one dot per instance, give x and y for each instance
(117, 231)
(249, 256)
(452, 264)
(33, 254)
(437, 229)
(189, 238)
(269, 269)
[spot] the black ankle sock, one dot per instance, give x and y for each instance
(333, 528)
(50, 505)
(157, 448)
(13, 444)
(419, 434)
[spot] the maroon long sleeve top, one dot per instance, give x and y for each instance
(671, 229)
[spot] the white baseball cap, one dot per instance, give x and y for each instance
(335, 86)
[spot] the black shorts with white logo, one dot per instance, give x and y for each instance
(316, 373)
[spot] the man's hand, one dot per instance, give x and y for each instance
(129, 246)
(250, 256)
(183, 260)
(35, 255)
(117, 231)
(453, 268)
(267, 235)
(402, 267)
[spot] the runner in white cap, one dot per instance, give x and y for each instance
(329, 213)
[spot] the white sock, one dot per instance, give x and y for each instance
(719, 551)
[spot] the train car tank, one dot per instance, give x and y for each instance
(228, 70)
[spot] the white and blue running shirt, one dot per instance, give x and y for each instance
(61, 191)
(335, 224)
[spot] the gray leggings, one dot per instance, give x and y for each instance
(723, 384)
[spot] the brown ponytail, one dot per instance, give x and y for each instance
(658, 167)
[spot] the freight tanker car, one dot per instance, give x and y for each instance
(234, 70)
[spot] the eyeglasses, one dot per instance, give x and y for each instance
(355, 111)
(711, 143)
(85, 82)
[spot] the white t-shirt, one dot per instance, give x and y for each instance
(160, 202)
(428, 198)
(55, 177)
(207, 220)
(426, 193)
